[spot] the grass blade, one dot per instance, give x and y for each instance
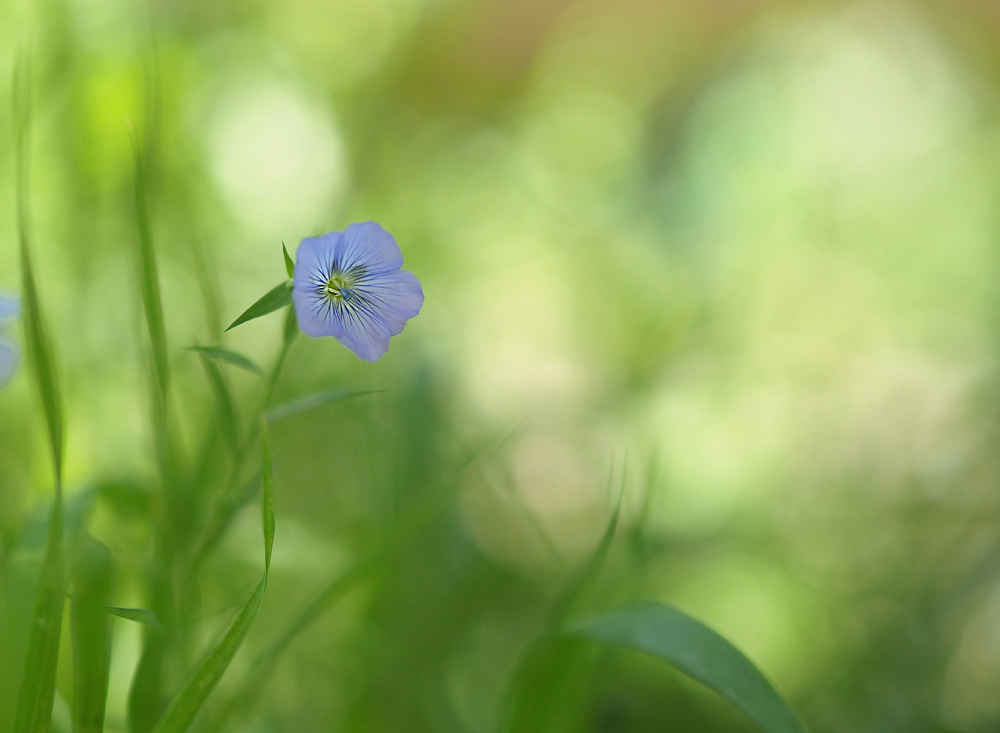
(275, 299)
(149, 277)
(587, 573)
(228, 421)
(35, 331)
(267, 495)
(220, 515)
(699, 652)
(139, 615)
(38, 686)
(297, 407)
(262, 667)
(199, 686)
(220, 353)
(408, 528)
(544, 679)
(91, 629)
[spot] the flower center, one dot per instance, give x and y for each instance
(339, 287)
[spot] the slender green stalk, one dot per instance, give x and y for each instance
(237, 492)
(38, 686)
(206, 676)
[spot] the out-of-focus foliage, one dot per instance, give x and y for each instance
(746, 250)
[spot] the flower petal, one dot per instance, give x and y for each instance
(369, 245)
(366, 334)
(314, 259)
(316, 315)
(396, 297)
(313, 264)
(9, 359)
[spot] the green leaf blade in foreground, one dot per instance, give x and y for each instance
(149, 279)
(91, 630)
(289, 264)
(275, 299)
(699, 652)
(199, 686)
(228, 421)
(267, 495)
(543, 684)
(220, 353)
(36, 334)
(305, 404)
(38, 685)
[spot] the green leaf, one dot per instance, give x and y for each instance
(265, 663)
(229, 356)
(699, 652)
(205, 270)
(275, 299)
(36, 333)
(199, 686)
(289, 265)
(149, 279)
(228, 421)
(220, 515)
(139, 615)
(587, 573)
(540, 688)
(267, 495)
(415, 521)
(91, 629)
(38, 685)
(299, 406)
(206, 676)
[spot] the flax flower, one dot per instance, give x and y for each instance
(349, 285)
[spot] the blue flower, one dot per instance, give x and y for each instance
(9, 357)
(348, 285)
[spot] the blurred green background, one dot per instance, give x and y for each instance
(744, 252)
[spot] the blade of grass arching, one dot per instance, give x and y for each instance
(229, 356)
(91, 630)
(545, 676)
(38, 685)
(274, 299)
(206, 676)
(172, 523)
(232, 499)
(228, 421)
(220, 515)
(311, 402)
(149, 280)
(199, 686)
(586, 574)
(408, 528)
(693, 648)
(263, 666)
(208, 286)
(36, 334)
(146, 696)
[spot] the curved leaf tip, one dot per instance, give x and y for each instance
(696, 650)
